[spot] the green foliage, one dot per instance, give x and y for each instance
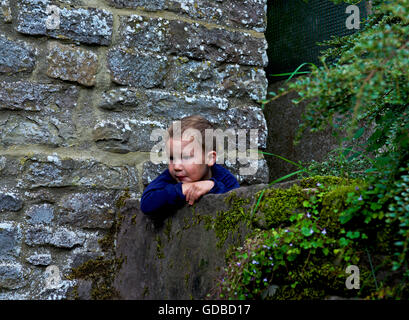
(363, 87)
(305, 254)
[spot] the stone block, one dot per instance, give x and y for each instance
(235, 13)
(249, 14)
(10, 202)
(59, 237)
(12, 275)
(10, 241)
(148, 5)
(43, 213)
(128, 66)
(85, 25)
(53, 127)
(39, 171)
(16, 56)
(241, 83)
(40, 259)
(87, 210)
(72, 63)
(216, 44)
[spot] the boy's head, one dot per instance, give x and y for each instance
(190, 157)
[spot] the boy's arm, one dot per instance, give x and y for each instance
(224, 181)
(162, 192)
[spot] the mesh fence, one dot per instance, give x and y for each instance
(294, 27)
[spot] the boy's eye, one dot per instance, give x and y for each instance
(171, 158)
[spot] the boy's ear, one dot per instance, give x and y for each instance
(211, 158)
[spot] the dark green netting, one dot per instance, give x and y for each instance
(294, 27)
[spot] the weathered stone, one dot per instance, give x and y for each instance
(148, 5)
(182, 245)
(53, 127)
(17, 129)
(12, 275)
(16, 56)
(248, 118)
(90, 25)
(87, 210)
(125, 135)
(43, 213)
(5, 11)
(216, 44)
(249, 172)
(231, 80)
(235, 13)
(59, 237)
(30, 96)
(10, 240)
(10, 202)
(55, 172)
(73, 64)
(143, 33)
(131, 67)
(40, 259)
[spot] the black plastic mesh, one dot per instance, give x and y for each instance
(294, 27)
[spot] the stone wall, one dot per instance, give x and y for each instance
(82, 85)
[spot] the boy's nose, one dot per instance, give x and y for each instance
(177, 165)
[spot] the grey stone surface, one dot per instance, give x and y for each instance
(53, 126)
(192, 40)
(143, 33)
(72, 63)
(43, 213)
(87, 210)
(32, 96)
(12, 275)
(217, 44)
(128, 66)
(40, 259)
(178, 259)
(85, 25)
(10, 202)
(16, 56)
(235, 13)
(59, 237)
(149, 5)
(55, 172)
(241, 83)
(10, 241)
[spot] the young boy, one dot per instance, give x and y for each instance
(192, 170)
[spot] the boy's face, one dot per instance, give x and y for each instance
(187, 160)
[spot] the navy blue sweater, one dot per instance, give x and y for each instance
(166, 193)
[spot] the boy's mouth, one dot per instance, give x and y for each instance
(181, 177)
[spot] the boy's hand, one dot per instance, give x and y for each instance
(194, 190)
